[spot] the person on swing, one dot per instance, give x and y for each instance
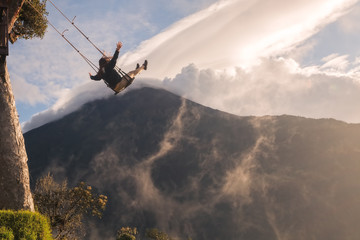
(113, 79)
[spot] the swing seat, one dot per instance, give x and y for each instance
(124, 83)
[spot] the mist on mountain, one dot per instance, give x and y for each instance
(193, 171)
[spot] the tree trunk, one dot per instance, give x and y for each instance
(14, 173)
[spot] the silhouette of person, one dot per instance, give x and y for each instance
(112, 77)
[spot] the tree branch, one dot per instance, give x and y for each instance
(14, 7)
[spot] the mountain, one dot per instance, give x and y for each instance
(193, 171)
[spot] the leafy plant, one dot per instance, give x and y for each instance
(156, 234)
(65, 206)
(6, 233)
(31, 21)
(127, 233)
(24, 225)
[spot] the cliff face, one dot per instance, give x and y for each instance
(189, 170)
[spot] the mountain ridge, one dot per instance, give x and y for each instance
(193, 171)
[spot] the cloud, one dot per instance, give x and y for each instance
(229, 56)
(348, 23)
(145, 195)
(52, 64)
(142, 193)
(235, 33)
(274, 87)
(73, 99)
(26, 91)
(239, 181)
(336, 62)
(69, 102)
(41, 64)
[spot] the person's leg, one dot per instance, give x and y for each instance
(135, 72)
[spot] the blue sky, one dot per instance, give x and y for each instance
(105, 23)
(247, 57)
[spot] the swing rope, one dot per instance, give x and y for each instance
(119, 70)
(123, 74)
(91, 64)
(72, 23)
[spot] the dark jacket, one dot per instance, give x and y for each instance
(108, 73)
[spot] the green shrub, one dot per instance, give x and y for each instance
(6, 234)
(25, 225)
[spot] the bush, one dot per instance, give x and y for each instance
(6, 234)
(156, 234)
(25, 225)
(127, 233)
(66, 207)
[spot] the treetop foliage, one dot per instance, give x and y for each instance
(31, 21)
(127, 233)
(65, 207)
(156, 234)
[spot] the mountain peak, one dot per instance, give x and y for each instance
(189, 170)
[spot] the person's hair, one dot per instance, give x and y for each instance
(103, 61)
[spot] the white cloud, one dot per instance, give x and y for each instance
(274, 87)
(27, 92)
(69, 102)
(235, 33)
(231, 51)
(73, 99)
(349, 23)
(336, 62)
(48, 64)
(53, 66)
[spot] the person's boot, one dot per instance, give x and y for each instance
(145, 64)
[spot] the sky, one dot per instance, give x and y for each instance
(246, 57)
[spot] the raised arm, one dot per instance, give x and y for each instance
(112, 62)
